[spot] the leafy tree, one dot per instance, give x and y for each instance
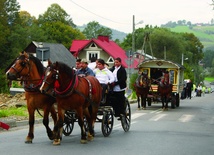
(56, 14)
(208, 58)
(193, 46)
(8, 19)
(58, 32)
(30, 25)
(58, 26)
(93, 29)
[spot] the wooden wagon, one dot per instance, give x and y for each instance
(154, 68)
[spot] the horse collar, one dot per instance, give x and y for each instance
(69, 90)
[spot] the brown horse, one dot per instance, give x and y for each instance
(165, 90)
(81, 94)
(142, 86)
(30, 70)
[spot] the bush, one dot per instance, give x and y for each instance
(4, 88)
(132, 81)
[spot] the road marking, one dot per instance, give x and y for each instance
(186, 118)
(156, 111)
(157, 117)
(136, 115)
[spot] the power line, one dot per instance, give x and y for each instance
(95, 13)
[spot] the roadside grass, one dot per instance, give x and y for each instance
(13, 111)
(210, 79)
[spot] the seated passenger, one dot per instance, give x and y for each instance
(104, 76)
(84, 71)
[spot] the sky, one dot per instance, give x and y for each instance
(118, 14)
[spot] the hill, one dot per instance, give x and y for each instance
(204, 33)
(115, 33)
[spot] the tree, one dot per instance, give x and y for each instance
(58, 26)
(93, 29)
(58, 32)
(55, 13)
(208, 58)
(8, 19)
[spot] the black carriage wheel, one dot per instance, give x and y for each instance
(107, 122)
(149, 100)
(126, 120)
(173, 102)
(68, 124)
(177, 100)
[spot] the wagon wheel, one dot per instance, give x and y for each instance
(126, 120)
(107, 122)
(177, 100)
(149, 100)
(68, 124)
(173, 102)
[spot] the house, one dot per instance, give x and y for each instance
(102, 47)
(53, 51)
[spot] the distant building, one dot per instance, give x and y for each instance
(102, 47)
(58, 52)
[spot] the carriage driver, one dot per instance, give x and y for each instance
(119, 87)
(85, 70)
(104, 76)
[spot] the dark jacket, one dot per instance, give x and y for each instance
(121, 77)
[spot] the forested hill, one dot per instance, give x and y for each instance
(205, 33)
(115, 33)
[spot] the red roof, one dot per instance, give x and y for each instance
(104, 43)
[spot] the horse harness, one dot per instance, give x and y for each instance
(72, 88)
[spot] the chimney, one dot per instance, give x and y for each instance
(103, 38)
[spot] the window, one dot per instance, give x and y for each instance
(91, 54)
(110, 60)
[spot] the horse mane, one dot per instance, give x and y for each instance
(65, 68)
(38, 64)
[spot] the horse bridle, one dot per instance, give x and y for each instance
(66, 92)
(23, 64)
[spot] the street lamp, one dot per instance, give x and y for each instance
(133, 33)
(182, 59)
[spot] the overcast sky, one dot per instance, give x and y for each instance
(118, 14)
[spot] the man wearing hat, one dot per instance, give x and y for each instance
(85, 70)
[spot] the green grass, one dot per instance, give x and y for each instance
(13, 111)
(210, 79)
(200, 32)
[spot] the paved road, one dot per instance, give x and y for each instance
(188, 129)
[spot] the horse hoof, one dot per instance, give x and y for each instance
(83, 141)
(28, 140)
(138, 108)
(56, 142)
(144, 108)
(90, 137)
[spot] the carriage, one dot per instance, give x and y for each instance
(82, 94)
(154, 69)
(105, 116)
